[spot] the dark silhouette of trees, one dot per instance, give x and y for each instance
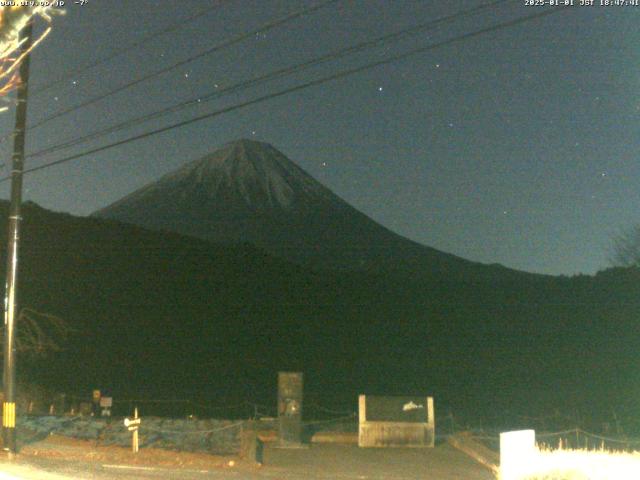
(39, 333)
(626, 248)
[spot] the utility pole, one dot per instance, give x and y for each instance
(11, 293)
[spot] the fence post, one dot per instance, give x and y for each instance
(251, 448)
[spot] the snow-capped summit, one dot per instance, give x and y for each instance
(249, 172)
(249, 191)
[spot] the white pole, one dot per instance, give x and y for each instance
(134, 440)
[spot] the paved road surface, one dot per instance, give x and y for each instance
(318, 462)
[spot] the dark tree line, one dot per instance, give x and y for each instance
(626, 248)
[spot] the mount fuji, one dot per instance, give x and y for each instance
(250, 192)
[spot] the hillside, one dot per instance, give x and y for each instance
(166, 316)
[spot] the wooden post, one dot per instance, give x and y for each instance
(431, 417)
(134, 442)
(431, 420)
(133, 424)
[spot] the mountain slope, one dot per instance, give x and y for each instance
(160, 315)
(250, 192)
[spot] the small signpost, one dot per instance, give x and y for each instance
(133, 424)
(105, 404)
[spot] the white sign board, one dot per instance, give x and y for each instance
(517, 453)
(132, 423)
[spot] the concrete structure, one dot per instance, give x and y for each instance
(290, 386)
(517, 454)
(396, 421)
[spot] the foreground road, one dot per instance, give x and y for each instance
(80, 460)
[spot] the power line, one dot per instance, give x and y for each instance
(270, 76)
(232, 41)
(302, 86)
(171, 28)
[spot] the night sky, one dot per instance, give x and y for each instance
(516, 147)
